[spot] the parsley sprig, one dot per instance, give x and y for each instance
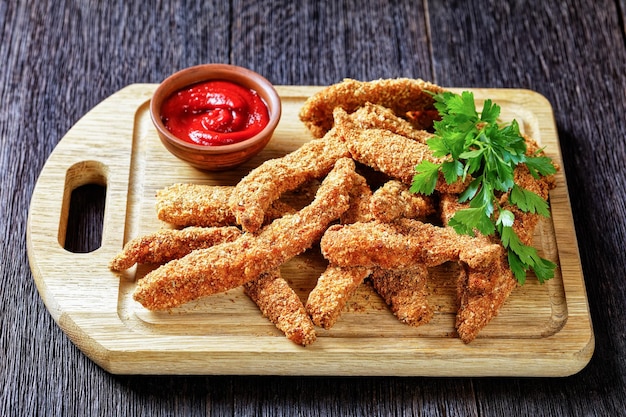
(475, 146)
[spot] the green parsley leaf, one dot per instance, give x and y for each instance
(474, 145)
(525, 256)
(505, 218)
(452, 170)
(438, 146)
(528, 201)
(425, 178)
(465, 221)
(490, 112)
(539, 165)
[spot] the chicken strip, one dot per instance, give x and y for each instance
(168, 244)
(254, 194)
(404, 290)
(374, 116)
(394, 200)
(482, 293)
(390, 153)
(401, 95)
(360, 195)
(477, 307)
(282, 306)
(229, 265)
(403, 244)
(332, 292)
(183, 205)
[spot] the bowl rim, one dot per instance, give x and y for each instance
(215, 71)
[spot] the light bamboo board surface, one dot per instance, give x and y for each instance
(542, 330)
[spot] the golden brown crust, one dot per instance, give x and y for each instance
(192, 204)
(282, 306)
(168, 244)
(360, 195)
(332, 292)
(392, 154)
(405, 291)
(481, 295)
(229, 265)
(402, 245)
(374, 116)
(183, 205)
(255, 193)
(394, 200)
(401, 95)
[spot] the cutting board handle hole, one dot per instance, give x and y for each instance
(87, 189)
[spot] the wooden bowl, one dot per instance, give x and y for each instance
(217, 157)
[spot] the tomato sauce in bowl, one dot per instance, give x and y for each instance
(215, 116)
(215, 112)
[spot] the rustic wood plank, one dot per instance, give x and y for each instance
(54, 73)
(320, 43)
(622, 14)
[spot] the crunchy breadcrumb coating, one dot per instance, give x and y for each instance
(230, 265)
(332, 292)
(254, 194)
(478, 307)
(282, 306)
(374, 116)
(404, 290)
(360, 195)
(403, 244)
(401, 95)
(183, 205)
(168, 244)
(392, 154)
(394, 200)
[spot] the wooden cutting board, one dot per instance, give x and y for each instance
(543, 330)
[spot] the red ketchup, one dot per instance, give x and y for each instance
(215, 113)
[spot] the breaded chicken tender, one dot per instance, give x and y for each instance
(481, 293)
(282, 306)
(332, 292)
(360, 195)
(183, 205)
(403, 244)
(394, 200)
(374, 116)
(478, 306)
(401, 95)
(194, 205)
(404, 290)
(220, 268)
(255, 193)
(168, 244)
(392, 154)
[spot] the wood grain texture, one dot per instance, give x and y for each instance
(544, 330)
(572, 52)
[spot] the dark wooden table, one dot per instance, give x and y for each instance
(61, 58)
